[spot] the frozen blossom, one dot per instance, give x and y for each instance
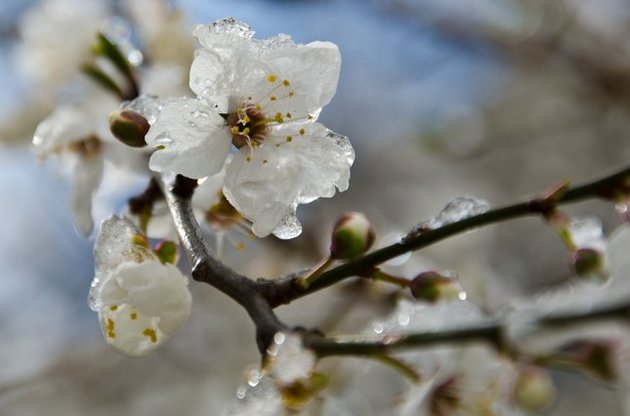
(260, 98)
(140, 301)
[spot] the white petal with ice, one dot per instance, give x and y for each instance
(289, 360)
(266, 184)
(143, 305)
(141, 302)
(190, 139)
(231, 63)
(88, 173)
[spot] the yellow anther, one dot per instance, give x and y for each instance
(111, 334)
(272, 78)
(265, 161)
(258, 107)
(302, 131)
(113, 308)
(278, 117)
(110, 324)
(248, 158)
(291, 93)
(234, 130)
(240, 246)
(289, 115)
(246, 119)
(240, 111)
(133, 316)
(289, 138)
(286, 83)
(148, 332)
(246, 130)
(273, 98)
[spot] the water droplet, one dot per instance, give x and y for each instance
(240, 392)
(279, 338)
(135, 57)
(377, 327)
(403, 319)
(163, 139)
(587, 232)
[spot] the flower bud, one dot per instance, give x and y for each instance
(352, 236)
(166, 252)
(534, 389)
(588, 262)
(129, 127)
(433, 287)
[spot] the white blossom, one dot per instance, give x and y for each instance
(289, 361)
(79, 134)
(140, 301)
(56, 38)
(263, 97)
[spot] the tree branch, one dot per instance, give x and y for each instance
(491, 331)
(206, 268)
(287, 289)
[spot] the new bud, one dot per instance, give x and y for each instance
(129, 127)
(534, 389)
(352, 236)
(588, 262)
(433, 287)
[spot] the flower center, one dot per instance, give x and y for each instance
(248, 126)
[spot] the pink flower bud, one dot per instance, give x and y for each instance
(352, 236)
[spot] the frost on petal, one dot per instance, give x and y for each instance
(230, 64)
(189, 138)
(266, 183)
(143, 304)
(88, 173)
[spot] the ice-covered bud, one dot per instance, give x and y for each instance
(434, 287)
(588, 263)
(352, 236)
(129, 127)
(534, 389)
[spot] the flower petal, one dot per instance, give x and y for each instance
(190, 137)
(266, 184)
(88, 173)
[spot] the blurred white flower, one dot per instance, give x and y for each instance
(140, 301)
(288, 360)
(263, 97)
(80, 135)
(56, 38)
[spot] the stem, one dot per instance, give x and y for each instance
(490, 331)
(286, 289)
(307, 280)
(206, 268)
(386, 277)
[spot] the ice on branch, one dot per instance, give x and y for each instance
(288, 360)
(262, 99)
(140, 300)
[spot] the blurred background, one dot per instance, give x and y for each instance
(496, 99)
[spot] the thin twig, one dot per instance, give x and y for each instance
(287, 289)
